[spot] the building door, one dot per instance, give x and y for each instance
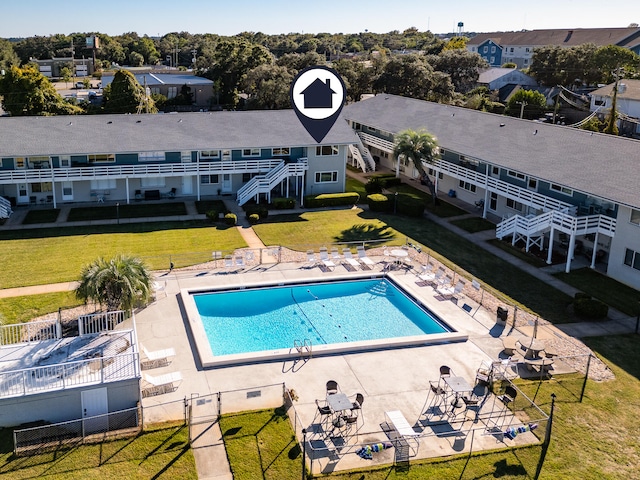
(226, 183)
(187, 185)
(67, 191)
(493, 201)
(23, 193)
(94, 402)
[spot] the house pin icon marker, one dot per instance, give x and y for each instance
(317, 96)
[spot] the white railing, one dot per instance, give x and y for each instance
(355, 153)
(5, 208)
(366, 155)
(563, 222)
(30, 332)
(265, 183)
(377, 142)
(99, 322)
(505, 189)
(132, 171)
(67, 375)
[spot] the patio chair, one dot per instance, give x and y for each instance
(357, 403)
(325, 414)
(156, 358)
(324, 258)
(449, 291)
(161, 384)
(228, 262)
(364, 260)
(348, 257)
(483, 374)
(335, 255)
(332, 387)
(240, 262)
(311, 259)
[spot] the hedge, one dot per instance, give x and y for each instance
(378, 202)
(403, 204)
(331, 199)
(283, 203)
(260, 210)
(590, 308)
(213, 215)
(254, 218)
(231, 219)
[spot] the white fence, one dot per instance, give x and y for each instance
(30, 332)
(99, 322)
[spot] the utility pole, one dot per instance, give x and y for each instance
(555, 107)
(522, 105)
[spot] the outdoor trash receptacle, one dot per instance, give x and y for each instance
(502, 314)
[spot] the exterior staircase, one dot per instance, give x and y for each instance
(265, 183)
(361, 154)
(5, 208)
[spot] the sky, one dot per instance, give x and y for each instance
(25, 18)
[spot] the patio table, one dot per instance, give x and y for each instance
(339, 402)
(458, 386)
(533, 345)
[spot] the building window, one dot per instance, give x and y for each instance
(20, 162)
(151, 157)
(514, 205)
(41, 187)
(209, 179)
(326, 177)
(371, 129)
(514, 174)
(432, 173)
(172, 92)
(526, 61)
(533, 184)
(635, 216)
(493, 49)
(632, 259)
(561, 189)
(493, 59)
(65, 161)
(102, 158)
(149, 182)
(473, 49)
(326, 150)
(107, 184)
(470, 187)
(485, 49)
(280, 151)
(495, 170)
(251, 152)
(226, 154)
(511, 49)
(210, 154)
(527, 49)
(357, 126)
(599, 102)
(155, 90)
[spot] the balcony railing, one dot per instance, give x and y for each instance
(133, 171)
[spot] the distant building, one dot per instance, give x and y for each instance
(627, 104)
(51, 68)
(499, 48)
(496, 78)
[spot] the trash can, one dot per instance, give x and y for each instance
(502, 314)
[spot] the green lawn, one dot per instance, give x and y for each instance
(40, 256)
(160, 452)
(26, 308)
(593, 440)
(474, 224)
(610, 291)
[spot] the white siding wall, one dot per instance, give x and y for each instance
(627, 236)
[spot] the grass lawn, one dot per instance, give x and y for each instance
(158, 452)
(593, 440)
(133, 210)
(49, 215)
(518, 252)
(474, 224)
(40, 256)
(608, 290)
(26, 308)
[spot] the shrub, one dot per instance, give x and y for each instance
(213, 215)
(260, 210)
(283, 203)
(230, 219)
(590, 308)
(392, 181)
(253, 218)
(374, 185)
(331, 199)
(378, 202)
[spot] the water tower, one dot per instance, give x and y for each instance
(460, 28)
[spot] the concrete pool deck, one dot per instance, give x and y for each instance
(392, 379)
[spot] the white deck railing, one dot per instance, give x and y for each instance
(379, 143)
(132, 171)
(30, 332)
(99, 322)
(5, 208)
(60, 376)
(266, 183)
(563, 222)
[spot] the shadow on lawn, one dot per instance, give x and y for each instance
(366, 233)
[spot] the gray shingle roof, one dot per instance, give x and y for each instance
(85, 134)
(151, 79)
(631, 92)
(602, 165)
(561, 36)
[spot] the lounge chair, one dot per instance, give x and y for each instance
(362, 256)
(324, 258)
(156, 358)
(161, 384)
(228, 262)
(335, 255)
(240, 262)
(402, 431)
(449, 291)
(311, 259)
(348, 257)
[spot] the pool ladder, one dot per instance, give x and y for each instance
(304, 348)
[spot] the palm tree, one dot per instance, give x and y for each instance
(118, 283)
(418, 146)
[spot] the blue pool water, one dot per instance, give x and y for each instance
(254, 320)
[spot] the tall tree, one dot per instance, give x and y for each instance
(461, 65)
(8, 55)
(417, 146)
(25, 91)
(406, 75)
(118, 284)
(613, 60)
(125, 95)
(526, 104)
(268, 87)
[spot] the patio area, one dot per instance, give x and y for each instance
(390, 380)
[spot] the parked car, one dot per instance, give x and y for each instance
(79, 84)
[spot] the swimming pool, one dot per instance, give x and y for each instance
(260, 322)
